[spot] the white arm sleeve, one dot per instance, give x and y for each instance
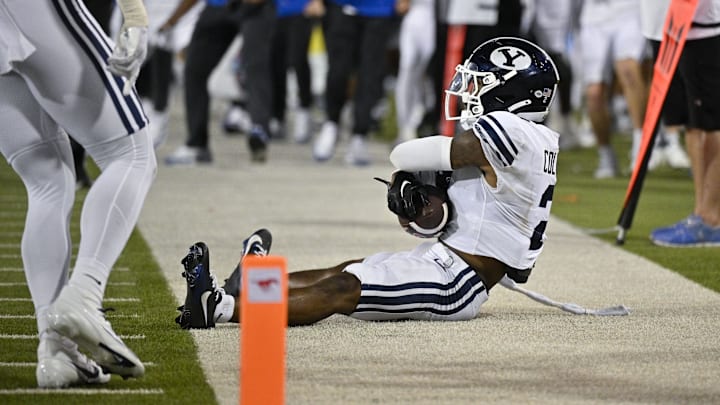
(429, 153)
(133, 12)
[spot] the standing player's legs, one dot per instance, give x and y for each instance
(695, 141)
(211, 38)
(300, 29)
(258, 29)
(628, 48)
(341, 37)
(674, 116)
(634, 87)
(374, 33)
(552, 29)
(699, 61)
(595, 48)
(80, 95)
(39, 151)
(710, 204)
(706, 175)
(553, 26)
(417, 44)
(703, 134)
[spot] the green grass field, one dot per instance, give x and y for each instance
(144, 311)
(173, 373)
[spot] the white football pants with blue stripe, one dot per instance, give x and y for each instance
(53, 80)
(428, 283)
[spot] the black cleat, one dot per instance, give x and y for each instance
(202, 293)
(257, 142)
(256, 244)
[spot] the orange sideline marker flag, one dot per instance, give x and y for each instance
(263, 323)
(677, 24)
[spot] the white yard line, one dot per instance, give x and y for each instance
(7, 299)
(82, 391)
(31, 337)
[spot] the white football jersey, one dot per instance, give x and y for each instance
(506, 222)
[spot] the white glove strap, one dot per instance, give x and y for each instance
(429, 153)
(133, 12)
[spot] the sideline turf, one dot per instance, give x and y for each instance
(175, 375)
(667, 197)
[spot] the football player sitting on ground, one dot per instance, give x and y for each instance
(497, 178)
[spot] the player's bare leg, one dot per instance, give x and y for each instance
(634, 87)
(316, 294)
(695, 141)
(708, 207)
(337, 294)
(597, 109)
(306, 278)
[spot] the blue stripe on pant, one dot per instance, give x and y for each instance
(89, 39)
(422, 297)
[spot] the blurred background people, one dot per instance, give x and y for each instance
(272, 37)
(295, 22)
(216, 27)
(484, 20)
(611, 42)
(356, 35)
(162, 69)
(416, 47)
(549, 24)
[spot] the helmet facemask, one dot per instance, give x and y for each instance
(469, 84)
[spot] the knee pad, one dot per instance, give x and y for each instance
(47, 170)
(135, 149)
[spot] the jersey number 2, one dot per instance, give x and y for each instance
(536, 241)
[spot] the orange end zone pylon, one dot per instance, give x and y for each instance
(263, 325)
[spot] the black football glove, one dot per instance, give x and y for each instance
(406, 196)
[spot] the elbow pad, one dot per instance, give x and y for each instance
(429, 153)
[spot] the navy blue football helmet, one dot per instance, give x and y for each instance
(503, 74)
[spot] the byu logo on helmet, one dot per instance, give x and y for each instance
(510, 57)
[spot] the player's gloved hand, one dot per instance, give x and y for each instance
(128, 55)
(162, 39)
(406, 195)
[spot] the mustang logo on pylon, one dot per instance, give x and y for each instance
(266, 283)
